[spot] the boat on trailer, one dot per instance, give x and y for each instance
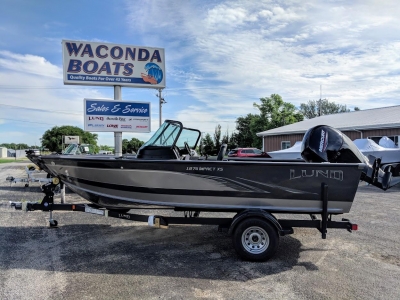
(164, 173)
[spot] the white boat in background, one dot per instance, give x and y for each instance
(386, 142)
(366, 146)
(289, 153)
(369, 147)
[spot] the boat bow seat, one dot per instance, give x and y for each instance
(222, 152)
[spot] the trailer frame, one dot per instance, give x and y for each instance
(255, 232)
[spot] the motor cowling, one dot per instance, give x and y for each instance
(323, 143)
(326, 144)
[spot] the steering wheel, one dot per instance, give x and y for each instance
(188, 149)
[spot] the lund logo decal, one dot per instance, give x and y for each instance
(332, 174)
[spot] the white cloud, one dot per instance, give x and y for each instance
(29, 64)
(227, 54)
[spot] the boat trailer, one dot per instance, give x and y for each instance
(255, 232)
(30, 172)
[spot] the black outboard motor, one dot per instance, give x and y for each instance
(326, 144)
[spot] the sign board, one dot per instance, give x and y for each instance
(93, 63)
(71, 139)
(116, 116)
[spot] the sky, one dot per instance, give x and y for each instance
(220, 58)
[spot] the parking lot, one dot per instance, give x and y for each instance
(92, 257)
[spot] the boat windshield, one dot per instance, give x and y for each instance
(173, 133)
(75, 149)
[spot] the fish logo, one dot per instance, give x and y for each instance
(154, 73)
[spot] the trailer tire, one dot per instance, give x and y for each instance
(255, 239)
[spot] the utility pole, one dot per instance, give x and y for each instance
(161, 102)
(320, 100)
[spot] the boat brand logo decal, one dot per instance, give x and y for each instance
(332, 174)
(96, 118)
(124, 216)
(115, 119)
(112, 125)
(324, 141)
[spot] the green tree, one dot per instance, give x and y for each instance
(273, 113)
(8, 146)
(21, 146)
(134, 145)
(208, 145)
(131, 146)
(244, 136)
(200, 147)
(232, 141)
(316, 108)
(125, 145)
(17, 146)
(52, 138)
(225, 138)
(105, 148)
(217, 137)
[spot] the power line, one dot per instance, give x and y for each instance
(42, 110)
(64, 112)
(26, 121)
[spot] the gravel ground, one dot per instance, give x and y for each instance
(92, 257)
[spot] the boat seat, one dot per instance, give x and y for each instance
(222, 152)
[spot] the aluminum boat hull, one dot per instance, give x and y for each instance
(206, 184)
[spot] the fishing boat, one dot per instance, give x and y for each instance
(165, 173)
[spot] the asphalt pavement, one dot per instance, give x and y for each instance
(93, 257)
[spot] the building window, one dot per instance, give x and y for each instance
(285, 145)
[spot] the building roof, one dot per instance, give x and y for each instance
(377, 118)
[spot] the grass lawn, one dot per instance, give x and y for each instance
(9, 160)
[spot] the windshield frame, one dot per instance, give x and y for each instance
(154, 141)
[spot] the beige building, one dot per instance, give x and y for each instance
(369, 123)
(3, 152)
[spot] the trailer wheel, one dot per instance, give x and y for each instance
(255, 239)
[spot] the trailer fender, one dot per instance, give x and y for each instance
(256, 213)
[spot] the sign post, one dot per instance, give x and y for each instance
(117, 134)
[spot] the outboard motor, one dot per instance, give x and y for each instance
(326, 144)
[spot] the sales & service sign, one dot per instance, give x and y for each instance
(116, 116)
